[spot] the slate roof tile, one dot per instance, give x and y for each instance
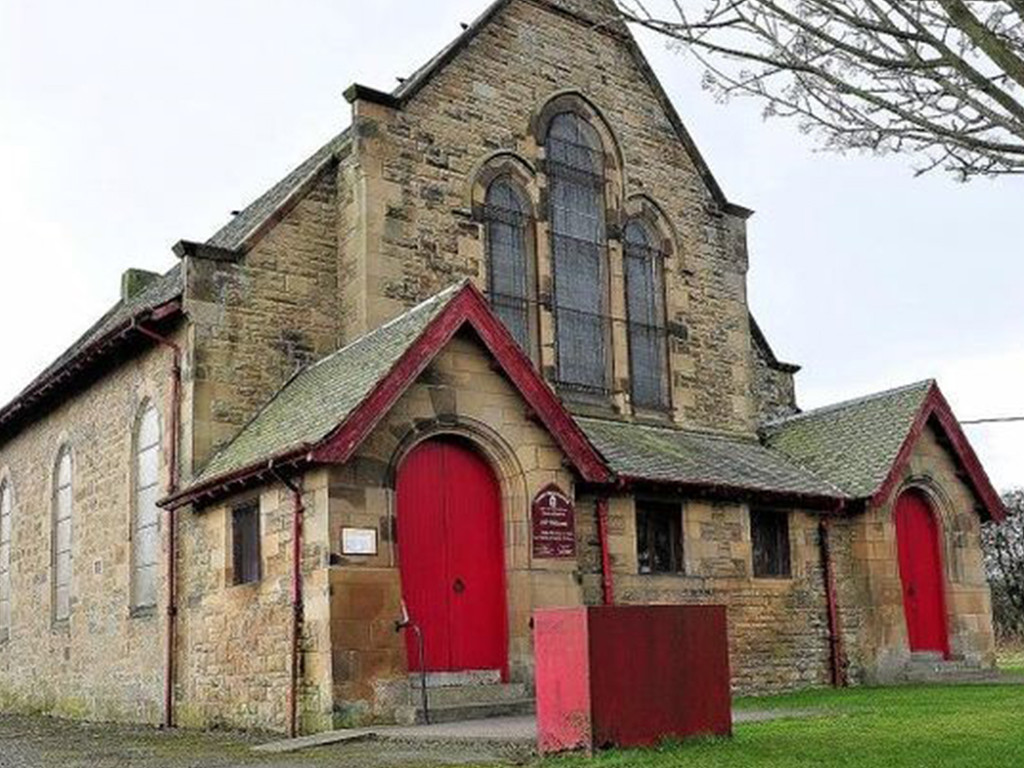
(670, 455)
(321, 396)
(853, 444)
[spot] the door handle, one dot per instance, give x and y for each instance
(459, 586)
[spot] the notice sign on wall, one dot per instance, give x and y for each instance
(554, 524)
(359, 541)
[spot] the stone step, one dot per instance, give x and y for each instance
(413, 715)
(457, 679)
(470, 694)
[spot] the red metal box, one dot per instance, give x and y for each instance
(630, 676)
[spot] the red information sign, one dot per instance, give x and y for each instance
(554, 524)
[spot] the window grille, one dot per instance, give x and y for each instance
(5, 560)
(508, 223)
(769, 534)
(659, 537)
(575, 166)
(245, 538)
(646, 318)
(62, 537)
(146, 520)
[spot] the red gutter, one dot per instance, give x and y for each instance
(607, 583)
(297, 513)
(222, 484)
(172, 542)
(835, 638)
(42, 386)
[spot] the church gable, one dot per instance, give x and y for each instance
(482, 112)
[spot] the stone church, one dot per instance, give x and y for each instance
(486, 351)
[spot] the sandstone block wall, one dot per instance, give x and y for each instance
(880, 650)
(778, 632)
(256, 322)
(234, 641)
(460, 393)
(416, 170)
(104, 663)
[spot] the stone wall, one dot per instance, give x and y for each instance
(778, 631)
(234, 641)
(417, 167)
(881, 650)
(774, 387)
(257, 321)
(103, 663)
(460, 393)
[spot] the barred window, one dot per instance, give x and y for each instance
(245, 540)
(645, 317)
(62, 537)
(146, 517)
(575, 164)
(507, 216)
(5, 560)
(769, 534)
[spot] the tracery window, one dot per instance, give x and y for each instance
(146, 515)
(508, 231)
(575, 167)
(5, 559)
(62, 536)
(645, 308)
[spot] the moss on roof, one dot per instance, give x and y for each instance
(852, 445)
(667, 455)
(320, 397)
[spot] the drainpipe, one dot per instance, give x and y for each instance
(835, 638)
(607, 584)
(297, 513)
(172, 544)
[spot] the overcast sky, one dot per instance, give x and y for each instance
(126, 126)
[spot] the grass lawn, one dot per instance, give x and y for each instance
(973, 726)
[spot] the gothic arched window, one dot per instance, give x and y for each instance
(508, 278)
(145, 531)
(5, 559)
(645, 308)
(62, 536)
(575, 167)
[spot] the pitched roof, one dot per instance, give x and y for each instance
(413, 84)
(163, 291)
(863, 445)
(326, 410)
(701, 460)
(851, 444)
(320, 397)
(237, 232)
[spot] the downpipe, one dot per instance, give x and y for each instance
(836, 653)
(298, 510)
(172, 520)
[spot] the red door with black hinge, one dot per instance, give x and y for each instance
(924, 600)
(452, 559)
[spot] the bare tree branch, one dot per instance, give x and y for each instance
(941, 78)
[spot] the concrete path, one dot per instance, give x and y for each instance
(504, 731)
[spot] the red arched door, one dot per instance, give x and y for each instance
(924, 601)
(452, 557)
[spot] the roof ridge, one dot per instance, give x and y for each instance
(842, 405)
(676, 428)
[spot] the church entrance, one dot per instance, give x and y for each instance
(452, 558)
(924, 603)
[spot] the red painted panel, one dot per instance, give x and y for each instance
(646, 673)
(924, 603)
(451, 557)
(659, 672)
(563, 680)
